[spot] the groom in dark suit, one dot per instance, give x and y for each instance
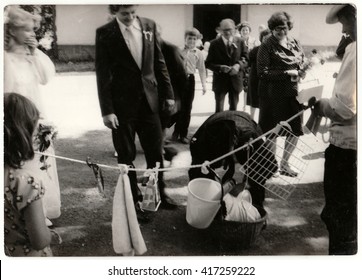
(227, 59)
(132, 78)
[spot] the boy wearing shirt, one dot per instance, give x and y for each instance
(193, 60)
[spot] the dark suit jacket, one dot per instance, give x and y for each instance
(176, 70)
(218, 56)
(121, 84)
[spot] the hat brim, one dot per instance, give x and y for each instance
(332, 14)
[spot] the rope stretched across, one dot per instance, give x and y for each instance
(183, 167)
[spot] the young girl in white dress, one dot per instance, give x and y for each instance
(25, 68)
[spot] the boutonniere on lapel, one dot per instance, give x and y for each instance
(234, 45)
(148, 35)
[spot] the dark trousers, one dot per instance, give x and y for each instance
(220, 99)
(147, 125)
(340, 191)
(184, 117)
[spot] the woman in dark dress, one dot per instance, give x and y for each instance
(279, 64)
(253, 95)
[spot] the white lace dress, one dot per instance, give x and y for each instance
(23, 73)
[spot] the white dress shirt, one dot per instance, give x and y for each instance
(136, 30)
(226, 41)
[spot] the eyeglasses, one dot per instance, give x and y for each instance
(281, 28)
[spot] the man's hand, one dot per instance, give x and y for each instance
(302, 74)
(234, 70)
(225, 69)
(243, 63)
(111, 121)
(169, 106)
(294, 75)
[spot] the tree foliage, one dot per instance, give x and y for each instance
(46, 34)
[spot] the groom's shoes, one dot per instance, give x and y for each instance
(164, 199)
(169, 152)
(166, 205)
(143, 217)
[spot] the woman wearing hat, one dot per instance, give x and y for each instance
(244, 29)
(340, 168)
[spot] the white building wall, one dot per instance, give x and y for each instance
(76, 24)
(309, 28)
(173, 19)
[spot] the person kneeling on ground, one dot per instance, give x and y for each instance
(223, 132)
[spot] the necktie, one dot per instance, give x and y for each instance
(133, 47)
(228, 47)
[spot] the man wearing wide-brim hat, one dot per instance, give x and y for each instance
(340, 173)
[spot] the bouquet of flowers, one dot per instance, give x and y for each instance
(42, 141)
(310, 86)
(317, 58)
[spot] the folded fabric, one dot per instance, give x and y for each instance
(240, 208)
(126, 233)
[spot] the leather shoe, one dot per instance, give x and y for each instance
(164, 201)
(287, 171)
(142, 217)
(169, 153)
(166, 205)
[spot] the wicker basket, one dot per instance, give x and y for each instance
(236, 235)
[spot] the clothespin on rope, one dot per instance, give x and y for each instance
(155, 171)
(123, 169)
(204, 167)
(286, 125)
(151, 174)
(276, 130)
(97, 171)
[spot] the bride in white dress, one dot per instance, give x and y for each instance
(25, 67)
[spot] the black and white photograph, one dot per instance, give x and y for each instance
(150, 136)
